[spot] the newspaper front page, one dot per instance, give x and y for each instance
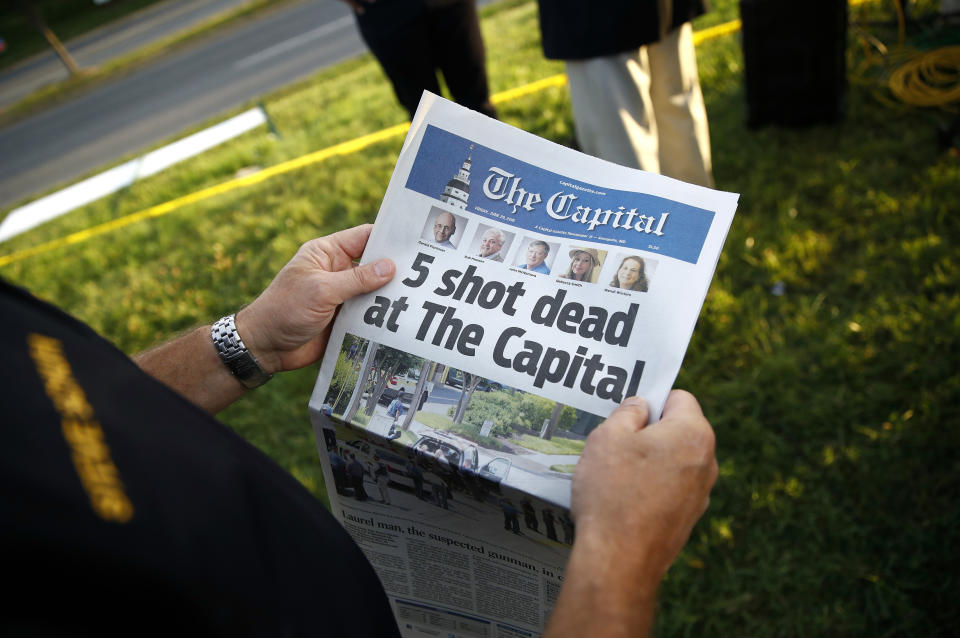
(536, 288)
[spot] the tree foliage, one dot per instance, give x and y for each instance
(345, 375)
(509, 409)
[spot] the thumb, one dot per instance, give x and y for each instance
(361, 279)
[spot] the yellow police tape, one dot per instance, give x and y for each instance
(344, 148)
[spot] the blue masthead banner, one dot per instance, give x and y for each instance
(526, 196)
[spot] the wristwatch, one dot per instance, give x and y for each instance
(234, 354)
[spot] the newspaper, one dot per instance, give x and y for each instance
(536, 288)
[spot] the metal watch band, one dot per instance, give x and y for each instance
(240, 361)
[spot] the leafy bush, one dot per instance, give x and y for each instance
(532, 411)
(508, 409)
(498, 406)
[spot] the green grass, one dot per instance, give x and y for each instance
(434, 420)
(470, 432)
(568, 469)
(836, 404)
(361, 418)
(556, 445)
(408, 438)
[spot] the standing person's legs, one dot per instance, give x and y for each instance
(684, 136)
(404, 53)
(612, 110)
(442, 491)
(459, 54)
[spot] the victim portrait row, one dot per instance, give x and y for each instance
(627, 271)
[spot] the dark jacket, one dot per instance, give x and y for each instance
(580, 29)
(118, 493)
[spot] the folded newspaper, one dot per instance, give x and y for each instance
(536, 288)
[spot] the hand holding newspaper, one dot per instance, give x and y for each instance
(536, 289)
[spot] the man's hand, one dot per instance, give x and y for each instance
(638, 490)
(288, 325)
(646, 485)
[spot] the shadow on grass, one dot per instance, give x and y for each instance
(826, 359)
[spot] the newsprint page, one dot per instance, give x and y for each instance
(536, 288)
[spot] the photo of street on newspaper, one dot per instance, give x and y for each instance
(486, 432)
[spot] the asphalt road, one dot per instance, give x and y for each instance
(154, 23)
(159, 101)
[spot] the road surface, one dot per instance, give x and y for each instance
(159, 101)
(155, 23)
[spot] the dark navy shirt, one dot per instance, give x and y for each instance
(126, 510)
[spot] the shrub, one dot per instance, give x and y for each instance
(508, 410)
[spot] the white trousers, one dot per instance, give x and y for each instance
(644, 109)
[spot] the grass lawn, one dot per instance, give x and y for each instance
(556, 445)
(407, 437)
(563, 468)
(434, 420)
(826, 355)
(360, 418)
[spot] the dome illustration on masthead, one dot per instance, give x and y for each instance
(457, 189)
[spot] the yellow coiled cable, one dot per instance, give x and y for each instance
(929, 79)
